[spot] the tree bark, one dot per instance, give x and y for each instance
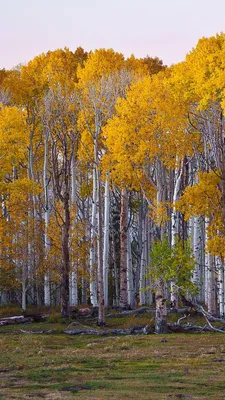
(74, 285)
(211, 286)
(93, 288)
(106, 242)
(101, 309)
(65, 259)
(142, 292)
(47, 299)
(130, 281)
(123, 247)
(220, 271)
(161, 311)
(174, 230)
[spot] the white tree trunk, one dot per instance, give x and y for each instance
(174, 217)
(101, 311)
(197, 240)
(83, 290)
(142, 292)
(74, 287)
(130, 280)
(174, 231)
(106, 241)
(73, 279)
(220, 271)
(149, 296)
(123, 248)
(116, 299)
(24, 282)
(211, 285)
(160, 298)
(206, 266)
(161, 311)
(93, 284)
(47, 299)
(24, 292)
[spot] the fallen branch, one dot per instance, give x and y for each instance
(77, 323)
(131, 312)
(86, 332)
(185, 328)
(19, 319)
(135, 330)
(180, 319)
(37, 332)
(212, 327)
(22, 319)
(210, 316)
(199, 308)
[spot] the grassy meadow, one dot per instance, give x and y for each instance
(58, 366)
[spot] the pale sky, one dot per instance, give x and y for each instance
(164, 28)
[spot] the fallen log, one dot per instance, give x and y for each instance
(208, 316)
(19, 319)
(86, 332)
(187, 328)
(131, 312)
(37, 317)
(22, 319)
(142, 310)
(134, 330)
(37, 332)
(178, 328)
(213, 327)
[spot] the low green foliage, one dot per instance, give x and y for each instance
(56, 318)
(175, 262)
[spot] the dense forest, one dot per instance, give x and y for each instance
(112, 180)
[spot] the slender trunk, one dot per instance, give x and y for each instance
(142, 291)
(83, 290)
(161, 311)
(32, 214)
(123, 247)
(65, 259)
(115, 271)
(101, 310)
(24, 287)
(149, 297)
(93, 287)
(174, 232)
(74, 278)
(139, 251)
(206, 263)
(220, 271)
(211, 285)
(197, 240)
(106, 242)
(74, 287)
(47, 298)
(130, 281)
(174, 217)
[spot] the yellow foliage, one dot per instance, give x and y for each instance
(203, 198)
(159, 212)
(13, 139)
(100, 63)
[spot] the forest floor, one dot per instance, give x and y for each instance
(58, 366)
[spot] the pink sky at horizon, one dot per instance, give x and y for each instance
(168, 29)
